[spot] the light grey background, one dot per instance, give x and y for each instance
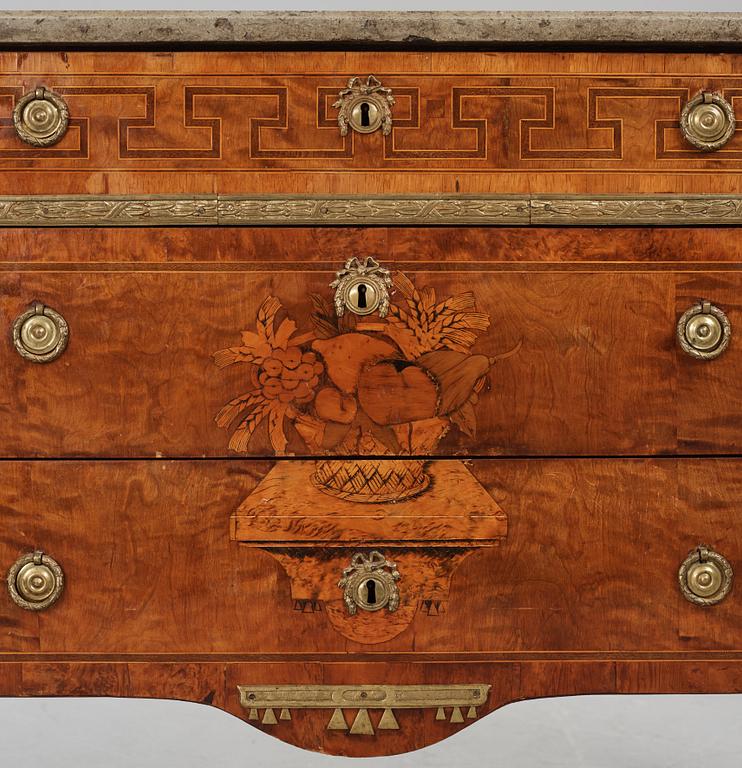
(575, 732)
(578, 732)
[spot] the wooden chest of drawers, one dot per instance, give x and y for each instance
(363, 387)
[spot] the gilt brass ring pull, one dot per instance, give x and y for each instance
(41, 118)
(35, 581)
(705, 577)
(704, 331)
(707, 121)
(40, 334)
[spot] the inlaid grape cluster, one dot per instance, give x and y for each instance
(290, 375)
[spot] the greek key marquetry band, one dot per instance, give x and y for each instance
(288, 210)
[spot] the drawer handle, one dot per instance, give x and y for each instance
(41, 118)
(35, 581)
(707, 121)
(705, 577)
(704, 331)
(365, 107)
(40, 334)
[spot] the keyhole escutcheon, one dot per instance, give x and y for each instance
(372, 593)
(365, 116)
(362, 297)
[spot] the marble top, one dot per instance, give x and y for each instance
(409, 29)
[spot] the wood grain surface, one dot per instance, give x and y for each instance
(544, 358)
(197, 122)
(585, 325)
(589, 564)
(215, 683)
(582, 596)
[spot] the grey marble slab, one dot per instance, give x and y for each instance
(398, 29)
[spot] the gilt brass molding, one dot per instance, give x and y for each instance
(651, 210)
(424, 210)
(106, 210)
(307, 210)
(458, 699)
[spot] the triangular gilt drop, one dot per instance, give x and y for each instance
(285, 714)
(472, 713)
(440, 714)
(456, 716)
(252, 714)
(388, 722)
(362, 725)
(269, 717)
(337, 721)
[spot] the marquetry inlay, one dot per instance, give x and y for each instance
(543, 122)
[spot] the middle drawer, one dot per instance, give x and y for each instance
(508, 341)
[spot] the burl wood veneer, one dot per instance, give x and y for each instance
(358, 435)
(582, 332)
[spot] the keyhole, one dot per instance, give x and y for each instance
(371, 592)
(362, 296)
(365, 107)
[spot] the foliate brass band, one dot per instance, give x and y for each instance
(106, 211)
(35, 581)
(707, 121)
(704, 331)
(41, 118)
(344, 211)
(284, 698)
(294, 210)
(40, 334)
(649, 210)
(705, 577)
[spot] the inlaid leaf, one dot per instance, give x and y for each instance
(235, 407)
(284, 333)
(241, 436)
(275, 426)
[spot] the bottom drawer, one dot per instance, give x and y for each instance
(178, 582)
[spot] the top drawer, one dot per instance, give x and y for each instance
(466, 123)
